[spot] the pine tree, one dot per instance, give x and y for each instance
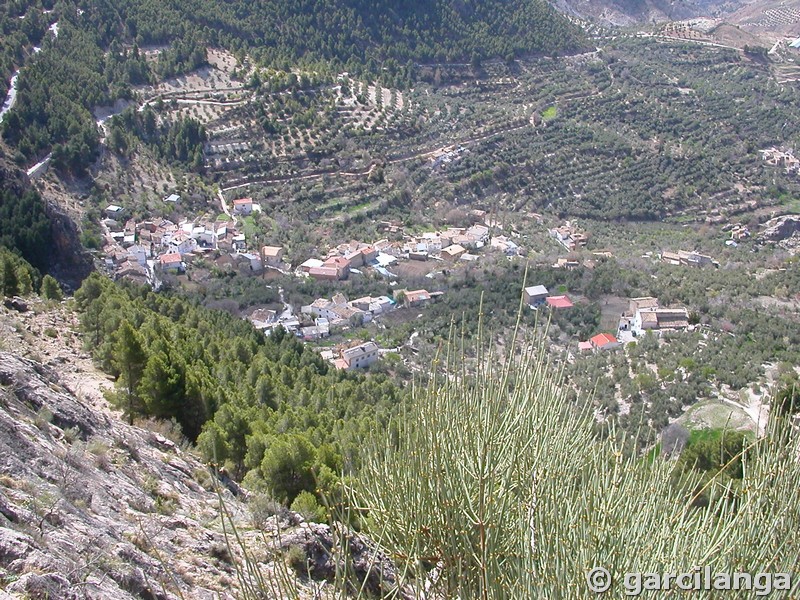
(10, 282)
(130, 359)
(161, 386)
(50, 288)
(24, 280)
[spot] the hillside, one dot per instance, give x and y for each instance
(92, 58)
(37, 230)
(91, 507)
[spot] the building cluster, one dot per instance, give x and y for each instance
(538, 295)
(573, 261)
(353, 356)
(569, 236)
(340, 312)
(444, 156)
(738, 231)
(645, 314)
(448, 245)
(781, 158)
(687, 259)
(139, 250)
(343, 259)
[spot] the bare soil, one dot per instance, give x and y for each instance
(49, 332)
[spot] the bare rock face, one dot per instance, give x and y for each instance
(328, 551)
(781, 228)
(91, 507)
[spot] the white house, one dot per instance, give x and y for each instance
(114, 212)
(182, 243)
(321, 308)
(255, 261)
(361, 356)
(535, 294)
(273, 255)
(207, 237)
(171, 262)
(243, 206)
(311, 263)
(239, 242)
(139, 254)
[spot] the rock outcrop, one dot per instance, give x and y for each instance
(66, 258)
(781, 228)
(91, 507)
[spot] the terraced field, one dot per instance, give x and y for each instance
(643, 128)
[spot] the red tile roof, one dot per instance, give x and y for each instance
(603, 339)
(559, 302)
(337, 261)
(324, 272)
(170, 258)
(417, 296)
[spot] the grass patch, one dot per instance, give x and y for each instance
(699, 436)
(549, 113)
(653, 454)
(249, 227)
(713, 414)
(354, 208)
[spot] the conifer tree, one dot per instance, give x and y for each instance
(24, 281)
(50, 288)
(130, 359)
(10, 281)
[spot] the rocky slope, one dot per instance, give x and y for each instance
(66, 259)
(629, 13)
(93, 508)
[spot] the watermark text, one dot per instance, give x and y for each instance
(698, 579)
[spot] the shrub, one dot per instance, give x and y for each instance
(493, 477)
(307, 506)
(50, 289)
(262, 507)
(99, 449)
(297, 560)
(71, 434)
(43, 418)
(219, 551)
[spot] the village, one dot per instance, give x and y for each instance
(149, 251)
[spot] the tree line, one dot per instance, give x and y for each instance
(268, 408)
(175, 142)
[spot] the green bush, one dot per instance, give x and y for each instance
(50, 289)
(494, 478)
(308, 507)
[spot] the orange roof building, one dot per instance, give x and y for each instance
(559, 302)
(604, 341)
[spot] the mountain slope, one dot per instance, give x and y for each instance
(91, 507)
(363, 30)
(37, 230)
(85, 500)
